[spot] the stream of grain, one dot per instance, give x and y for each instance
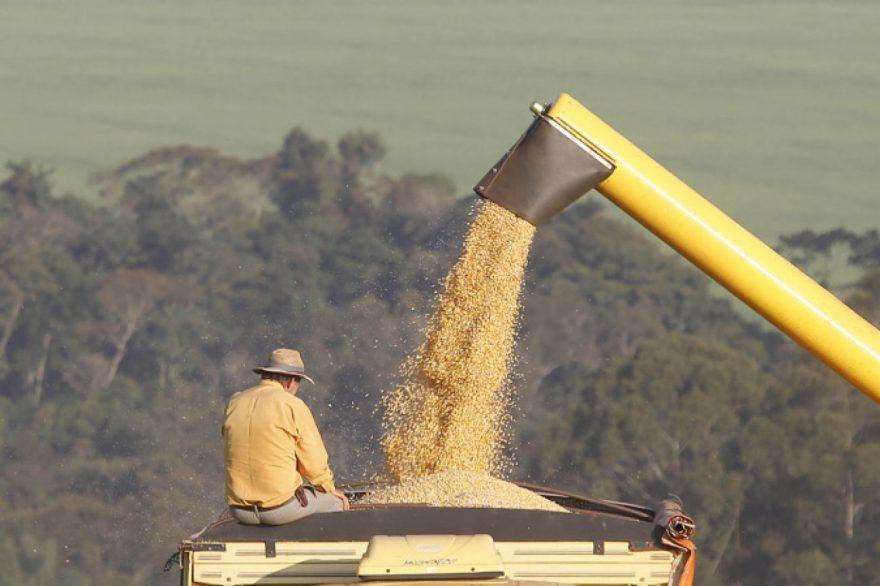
(451, 411)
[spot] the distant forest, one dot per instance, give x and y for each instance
(129, 315)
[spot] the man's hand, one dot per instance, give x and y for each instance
(341, 496)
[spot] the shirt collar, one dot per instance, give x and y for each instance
(269, 383)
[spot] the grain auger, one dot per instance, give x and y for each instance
(567, 151)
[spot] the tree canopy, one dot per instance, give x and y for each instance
(128, 317)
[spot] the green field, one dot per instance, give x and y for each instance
(771, 109)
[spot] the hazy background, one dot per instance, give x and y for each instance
(189, 184)
(769, 108)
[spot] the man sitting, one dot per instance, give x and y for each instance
(272, 443)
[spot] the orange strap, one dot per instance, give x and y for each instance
(690, 563)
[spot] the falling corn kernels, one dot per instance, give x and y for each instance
(451, 411)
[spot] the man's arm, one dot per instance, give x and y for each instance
(311, 455)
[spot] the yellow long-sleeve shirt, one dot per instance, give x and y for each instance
(272, 442)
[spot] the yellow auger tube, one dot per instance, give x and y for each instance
(728, 253)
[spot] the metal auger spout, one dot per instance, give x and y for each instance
(568, 150)
(544, 172)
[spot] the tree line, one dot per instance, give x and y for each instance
(129, 314)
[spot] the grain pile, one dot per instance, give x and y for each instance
(450, 413)
(461, 489)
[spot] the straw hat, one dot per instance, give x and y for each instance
(285, 361)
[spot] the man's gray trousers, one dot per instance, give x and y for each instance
(315, 502)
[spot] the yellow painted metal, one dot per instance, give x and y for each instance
(573, 562)
(731, 255)
(339, 562)
(427, 556)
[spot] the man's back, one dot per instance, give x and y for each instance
(270, 437)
